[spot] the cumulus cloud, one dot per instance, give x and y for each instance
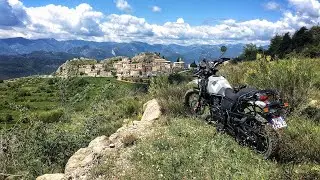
(180, 21)
(307, 7)
(12, 13)
(271, 5)
(123, 5)
(83, 22)
(156, 9)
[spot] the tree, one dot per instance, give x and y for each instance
(223, 49)
(285, 46)
(315, 31)
(250, 52)
(274, 45)
(301, 38)
(193, 65)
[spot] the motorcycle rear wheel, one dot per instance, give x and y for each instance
(267, 142)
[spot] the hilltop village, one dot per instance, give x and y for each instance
(142, 65)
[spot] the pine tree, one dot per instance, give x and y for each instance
(285, 46)
(275, 45)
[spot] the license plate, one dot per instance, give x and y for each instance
(278, 123)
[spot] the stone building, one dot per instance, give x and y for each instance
(142, 65)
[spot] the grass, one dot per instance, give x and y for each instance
(44, 121)
(187, 148)
(181, 147)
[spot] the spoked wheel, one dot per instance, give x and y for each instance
(193, 105)
(267, 142)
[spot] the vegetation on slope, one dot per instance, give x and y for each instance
(181, 147)
(303, 42)
(187, 148)
(52, 118)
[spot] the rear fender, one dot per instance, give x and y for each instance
(261, 119)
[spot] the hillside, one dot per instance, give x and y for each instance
(43, 121)
(102, 50)
(21, 57)
(181, 147)
(176, 146)
(35, 63)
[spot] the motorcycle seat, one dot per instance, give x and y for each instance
(232, 97)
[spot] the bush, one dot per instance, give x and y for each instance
(38, 149)
(129, 139)
(50, 116)
(129, 107)
(51, 81)
(80, 82)
(1, 81)
(300, 142)
(22, 93)
(295, 79)
(8, 118)
(170, 96)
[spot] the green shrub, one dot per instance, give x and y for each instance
(294, 78)
(170, 96)
(129, 139)
(190, 149)
(1, 81)
(300, 142)
(80, 82)
(8, 118)
(50, 116)
(38, 149)
(129, 107)
(51, 81)
(22, 93)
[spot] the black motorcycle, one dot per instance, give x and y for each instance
(254, 117)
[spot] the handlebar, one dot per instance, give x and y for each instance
(207, 68)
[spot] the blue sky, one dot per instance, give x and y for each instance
(195, 12)
(157, 21)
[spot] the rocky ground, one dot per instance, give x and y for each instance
(80, 165)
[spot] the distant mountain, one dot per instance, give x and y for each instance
(37, 62)
(22, 57)
(102, 50)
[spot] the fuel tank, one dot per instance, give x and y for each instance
(217, 85)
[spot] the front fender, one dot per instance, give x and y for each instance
(189, 92)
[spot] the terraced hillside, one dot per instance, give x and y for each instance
(43, 121)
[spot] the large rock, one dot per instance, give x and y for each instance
(152, 110)
(80, 163)
(58, 176)
(85, 158)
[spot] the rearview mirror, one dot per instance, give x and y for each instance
(223, 49)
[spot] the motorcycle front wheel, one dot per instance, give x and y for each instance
(193, 103)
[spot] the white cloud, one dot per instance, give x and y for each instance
(156, 9)
(12, 13)
(83, 22)
(271, 5)
(180, 21)
(123, 5)
(307, 7)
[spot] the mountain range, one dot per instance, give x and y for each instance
(20, 56)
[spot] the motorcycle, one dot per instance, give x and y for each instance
(253, 117)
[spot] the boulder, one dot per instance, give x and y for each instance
(80, 163)
(85, 158)
(152, 111)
